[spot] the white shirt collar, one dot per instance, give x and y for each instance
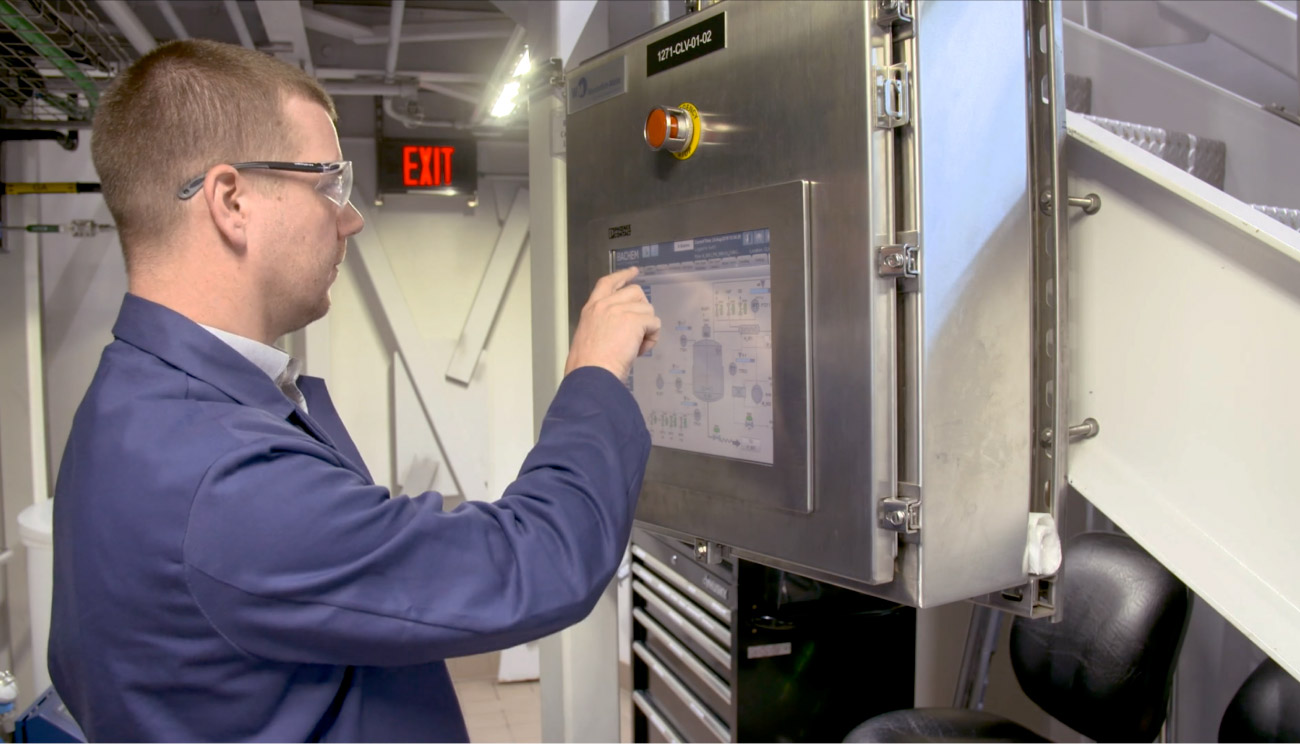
(278, 365)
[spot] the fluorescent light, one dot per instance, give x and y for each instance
(522, 67)
(505, 103)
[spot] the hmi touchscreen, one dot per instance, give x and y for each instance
(707, 386)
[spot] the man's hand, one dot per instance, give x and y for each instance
(617, 325)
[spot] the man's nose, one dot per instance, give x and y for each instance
(350, 221)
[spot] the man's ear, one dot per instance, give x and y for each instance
(227, 199)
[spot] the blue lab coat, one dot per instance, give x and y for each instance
(225, 567)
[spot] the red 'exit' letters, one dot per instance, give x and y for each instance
(424, 165)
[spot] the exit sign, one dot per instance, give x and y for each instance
(428, 166)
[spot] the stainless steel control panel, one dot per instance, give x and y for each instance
(831, 207)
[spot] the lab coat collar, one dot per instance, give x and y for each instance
(184, 344)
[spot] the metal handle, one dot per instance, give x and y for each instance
(719, 654)
(684, 605)
(706, 675)
(707, 719)
(696, 594)
(654, 718)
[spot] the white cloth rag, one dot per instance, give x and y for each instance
(1043, 546)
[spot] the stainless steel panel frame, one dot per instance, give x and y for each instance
(921, 387)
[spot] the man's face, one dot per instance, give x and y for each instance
(305, 236)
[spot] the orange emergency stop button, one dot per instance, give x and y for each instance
(672, 129)
(656, 128)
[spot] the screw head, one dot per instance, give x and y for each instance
(894, 517)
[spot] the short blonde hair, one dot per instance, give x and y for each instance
(179, 110)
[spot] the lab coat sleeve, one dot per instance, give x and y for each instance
(296, 559)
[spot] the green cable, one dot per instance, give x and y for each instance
(44, 46)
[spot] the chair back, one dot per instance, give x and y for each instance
(1106, 668)
(1266, 708)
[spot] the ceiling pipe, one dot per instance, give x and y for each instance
(173, 20)
(129, 24)
(411, 122)
(405, 89)
(348, 73)
(470, 31)
(333, 25)
(450, 92)
(394, 37)
(237, 19)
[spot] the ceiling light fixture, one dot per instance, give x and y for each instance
(508, 101)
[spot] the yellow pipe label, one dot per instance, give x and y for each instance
(40, 188)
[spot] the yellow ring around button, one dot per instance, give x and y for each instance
(694, 113)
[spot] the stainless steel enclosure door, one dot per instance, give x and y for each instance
(785, 102)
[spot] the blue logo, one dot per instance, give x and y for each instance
(582, 87)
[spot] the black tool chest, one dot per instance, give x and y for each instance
(737, 651)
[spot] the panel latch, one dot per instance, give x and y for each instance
(903, 512)
(901, 261)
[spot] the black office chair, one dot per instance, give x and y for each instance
(1266, 708)
(1105, 670)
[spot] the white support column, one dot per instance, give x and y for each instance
(23, 473)
(579, 666)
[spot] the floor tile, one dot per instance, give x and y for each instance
(472, 691)
(491, 735)
(485, 718)
(472, 708)
(527, 733)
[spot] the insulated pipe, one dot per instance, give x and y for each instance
(411, 122)
(446, 91)
(173, 20)
(363, 88)
(394, 37)
(237, 19)
(129, 24)
(352, 73)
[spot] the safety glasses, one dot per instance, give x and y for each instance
(335, 181)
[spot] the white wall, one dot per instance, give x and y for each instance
(438, 249)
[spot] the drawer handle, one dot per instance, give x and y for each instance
(720, 688)
(654, 718)
(709, 721)
(708, 644)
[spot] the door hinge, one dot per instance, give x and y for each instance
(893, 96)
(901, 261)
(902, 513)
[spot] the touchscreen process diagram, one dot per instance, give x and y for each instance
(707, 386)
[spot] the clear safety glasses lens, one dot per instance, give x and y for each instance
(336, 182)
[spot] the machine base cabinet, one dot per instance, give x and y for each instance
(738, 651)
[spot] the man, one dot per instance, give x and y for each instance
(226, 567)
